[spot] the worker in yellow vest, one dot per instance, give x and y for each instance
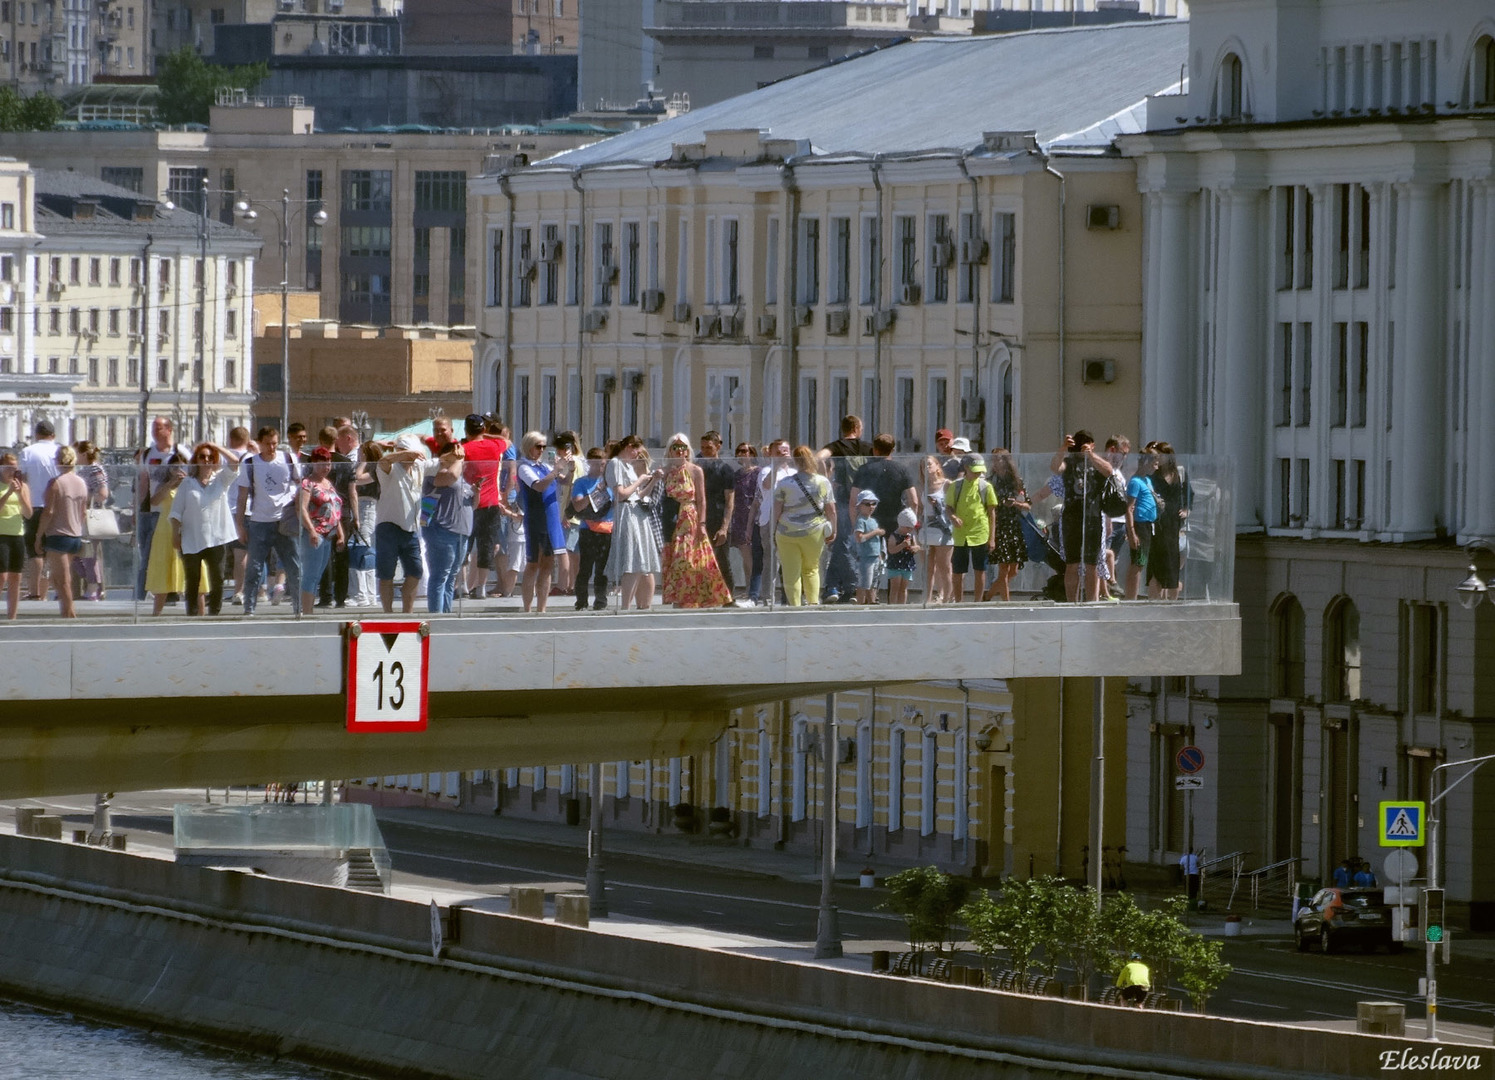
(1134, 981)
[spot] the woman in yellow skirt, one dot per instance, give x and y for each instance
(164, 573)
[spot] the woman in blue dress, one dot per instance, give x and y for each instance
(544, 534)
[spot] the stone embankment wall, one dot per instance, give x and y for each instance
(346, 979)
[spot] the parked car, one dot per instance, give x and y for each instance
(1336, 916)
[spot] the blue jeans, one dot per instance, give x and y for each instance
(755, 575)
(840, 574)
(145, 529)
(314, 558)
(264, 536)
(445, 551)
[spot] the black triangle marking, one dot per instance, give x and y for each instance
(389, 641)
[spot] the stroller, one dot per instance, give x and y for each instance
(1042, 548)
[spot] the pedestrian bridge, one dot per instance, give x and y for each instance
(209, 702)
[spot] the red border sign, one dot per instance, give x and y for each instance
(351, 675)
(1189, 760)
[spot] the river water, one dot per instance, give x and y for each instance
(40, 1045)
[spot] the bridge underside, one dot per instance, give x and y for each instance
(200, 702)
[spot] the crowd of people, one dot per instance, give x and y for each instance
(326, 518)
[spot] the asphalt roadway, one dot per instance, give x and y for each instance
(775, 896)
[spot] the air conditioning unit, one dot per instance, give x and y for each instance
(972, 410)
(550, 251)
(606, 384)
(1102, 216)
(878, 322)
(729, 324)
(706, 326)
(1008, 142)
(651, 300)
(162, 340)
(941, 254)
(1098, 371)
(802, 313)
(230, 291)
(55, 289)
(609, 272)
(527, 268)
(633, 380)
(846, 751)
(768, 325)
(7, 292)
(837, 322)
(682, 311)
(592, 321)
(909, 294)
(974, 251)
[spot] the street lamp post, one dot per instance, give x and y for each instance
(245, 208)
(1435, 821)
(202, 312)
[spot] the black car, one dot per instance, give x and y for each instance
(1336, 917)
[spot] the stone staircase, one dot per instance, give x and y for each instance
(364, 872)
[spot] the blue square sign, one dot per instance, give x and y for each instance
(1402, 824)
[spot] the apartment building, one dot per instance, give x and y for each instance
(534, 27)
(286, 24)
(769, 264)
(1319, 283)
(394, 248)
(114, 314)
(56, 45)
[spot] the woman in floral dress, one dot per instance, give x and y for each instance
(691, 576)
(1012, 500)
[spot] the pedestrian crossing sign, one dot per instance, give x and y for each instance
(1402, 824)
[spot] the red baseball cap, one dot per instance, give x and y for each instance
(943, 433)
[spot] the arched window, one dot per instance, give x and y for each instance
(1480, 87)
(1287, 647)
(1342, 651)
(1006, 414)
(1229, 101)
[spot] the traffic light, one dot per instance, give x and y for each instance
(1432, 915)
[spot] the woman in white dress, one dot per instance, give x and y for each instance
(634, 558)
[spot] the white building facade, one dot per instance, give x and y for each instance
(1319, 267)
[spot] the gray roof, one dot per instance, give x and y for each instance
(936, 93)
(57, 188)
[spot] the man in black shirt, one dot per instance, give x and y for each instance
(840, 460)
(889, 481)
(720, 476)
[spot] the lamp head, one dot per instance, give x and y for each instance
(320, 217)
(242, 206)
(1472, 590)
(981, 741)
(251, 215)
(169, 205)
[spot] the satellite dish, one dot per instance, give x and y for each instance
(1400, 866)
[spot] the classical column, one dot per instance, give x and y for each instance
(1168, 360)
(1240, 381)
(1417, 427)
(1479, 515)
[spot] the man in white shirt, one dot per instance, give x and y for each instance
(402, 471)
(153, 473)
(268, 485)
(39, 467)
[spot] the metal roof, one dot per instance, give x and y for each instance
(935, 93)
(56, 188)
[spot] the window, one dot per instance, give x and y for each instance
(1482, 72)
(1342, 236)
(441, 191)
(163, 325)
(1341, 404)
(941, 256)
(521, 294)
(682, 264)
(550, 270)
(574, 265)
(1287, 648)
(75, 271)
(970, 272)
(1004, 265)
(114, 271)
(905, 230)
(1361, 373)
(630, 261)
(819, 52)
(653, 255)
(939, 406)
(1305, 374)
(838, 284)
(111, 368)
(7, 320)
(231, 324)
(184, 187)
(372, 241)
(365, 295)
(730, 292)
(762, 52)
(54, 322)
(809, 260)
(93, 371)
(74, 321)
(809, 411)
(496, 267)
(1426, 657)
(1342, 651)
(871, 260)
(605, 264)
(230, 372)
(840, 399)
(7, 215)
(771, 264)
(366, 190)
(903, 422)
(1229, 99)
(114, 322)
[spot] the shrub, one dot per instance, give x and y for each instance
(928, 899)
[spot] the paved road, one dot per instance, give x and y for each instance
(1271, 980)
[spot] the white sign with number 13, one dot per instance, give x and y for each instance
(387, 664)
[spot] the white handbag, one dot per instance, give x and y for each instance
(100, 523)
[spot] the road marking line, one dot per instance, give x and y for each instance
(1260, 1004)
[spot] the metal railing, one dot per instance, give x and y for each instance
(1227, 871)
(1264, 879)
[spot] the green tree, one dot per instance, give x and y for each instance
(1201, 967)
(1024, 921)
(189, 85)
(39, 112)
(1082, 934)
(928, 899)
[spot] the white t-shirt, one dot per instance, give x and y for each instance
(154, 462)
(39, 467)
(400, 490)
(272, 485)
(206, 518)
(768, 478)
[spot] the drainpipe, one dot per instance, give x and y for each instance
(146, 331)
(1049, 168)
(877, 160)
(508, 353)
(788, 331)
(581, 286)
(975, 280)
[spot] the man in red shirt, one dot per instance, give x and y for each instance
(484, 471)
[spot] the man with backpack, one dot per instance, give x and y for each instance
(267, 516)
(973, 510)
